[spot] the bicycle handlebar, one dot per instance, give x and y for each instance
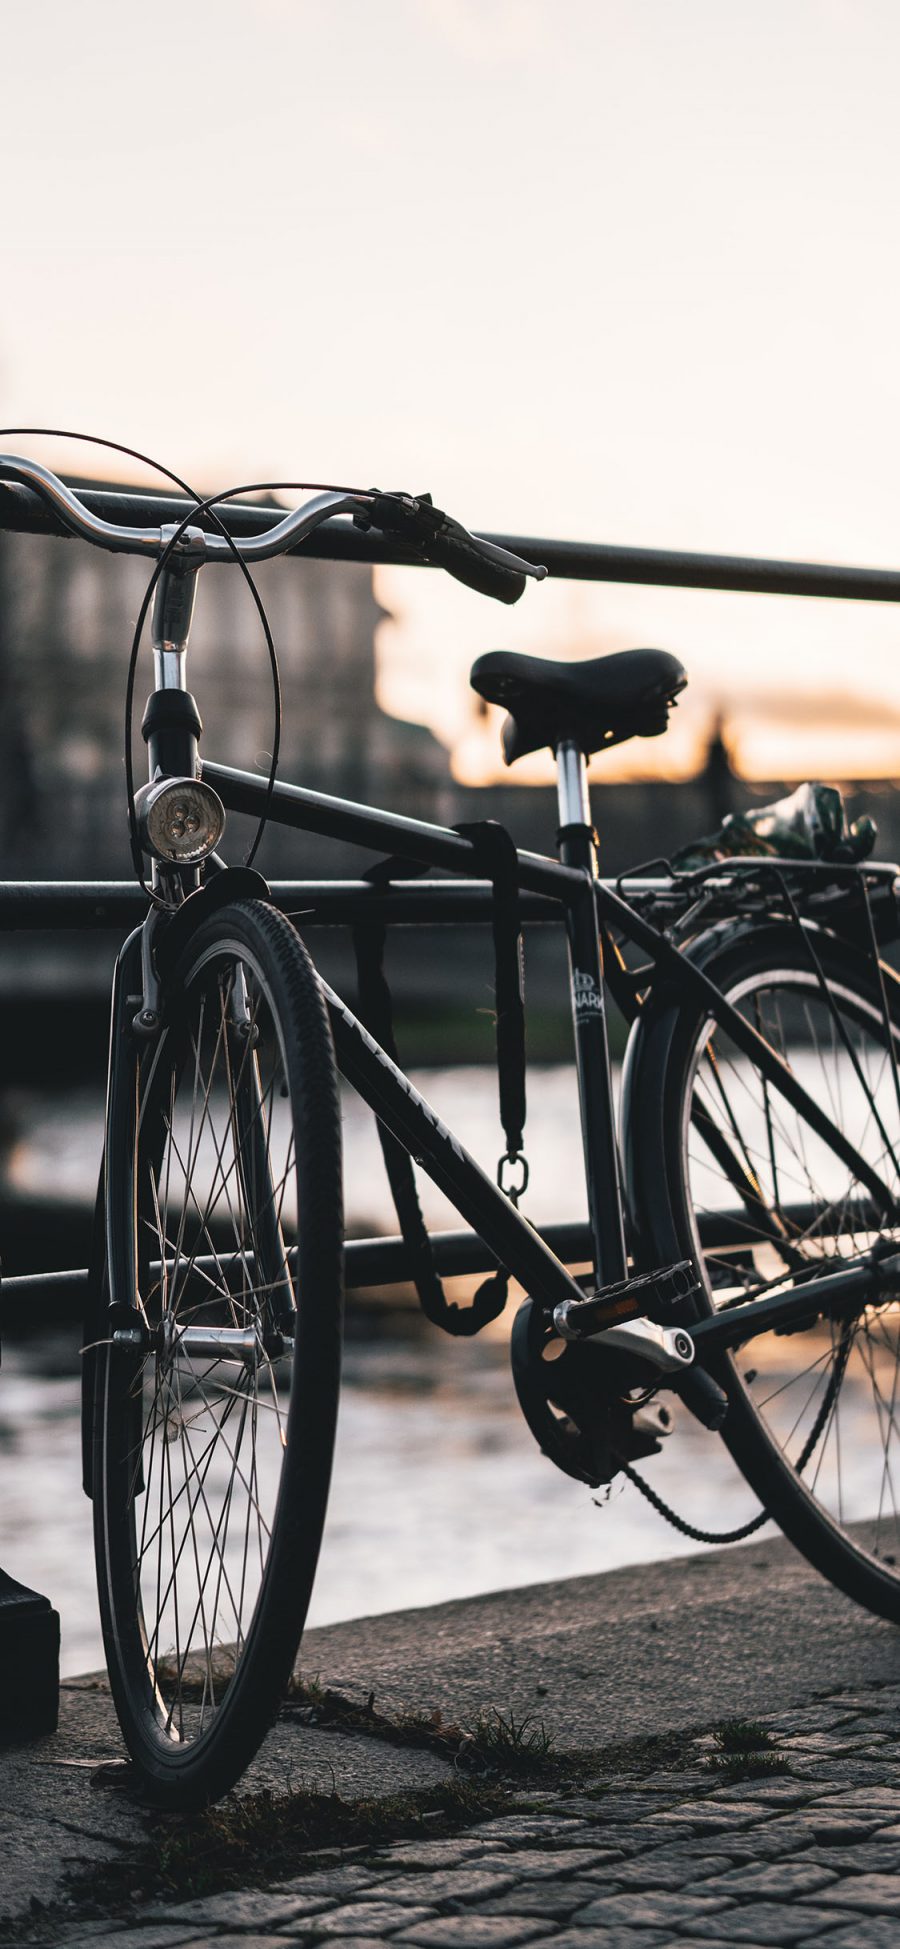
(431, 535)
(72, 512)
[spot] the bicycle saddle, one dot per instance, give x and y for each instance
(598, 703)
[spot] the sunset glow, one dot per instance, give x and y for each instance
(594, 269)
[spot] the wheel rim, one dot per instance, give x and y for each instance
(203, 1420)
(827, 1399)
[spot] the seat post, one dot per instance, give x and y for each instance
(576, 849)
(576, 836)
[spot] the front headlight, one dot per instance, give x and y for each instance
(180, 820)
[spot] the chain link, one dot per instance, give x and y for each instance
(510, 1161)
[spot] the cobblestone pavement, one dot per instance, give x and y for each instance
(640, 1858)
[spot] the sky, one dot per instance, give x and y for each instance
(619, 270)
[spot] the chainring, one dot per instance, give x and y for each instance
(571, 1395)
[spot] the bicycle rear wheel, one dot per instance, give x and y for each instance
(214, 1421)
(759, 1200)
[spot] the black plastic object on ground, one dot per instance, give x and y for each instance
(29, 1663)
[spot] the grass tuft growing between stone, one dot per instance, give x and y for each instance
(493, 1742)
(745, 1750)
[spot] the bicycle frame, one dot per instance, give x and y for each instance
(589, 906)
(392, 1096)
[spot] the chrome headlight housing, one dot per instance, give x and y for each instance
(180, 820)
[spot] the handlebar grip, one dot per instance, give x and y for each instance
(436, 538)
(449, 551)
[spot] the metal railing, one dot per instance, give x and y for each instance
(23, 512)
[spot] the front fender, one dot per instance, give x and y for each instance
(231, 883)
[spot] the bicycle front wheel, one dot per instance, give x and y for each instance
(759, 1200)
(216, 1404)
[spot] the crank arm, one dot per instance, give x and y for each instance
(667, 1348)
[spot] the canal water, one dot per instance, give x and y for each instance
(439, 1489)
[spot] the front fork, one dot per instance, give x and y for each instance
(137, 1016)
(99, 1323)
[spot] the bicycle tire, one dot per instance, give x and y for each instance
(212, 1464)
(787, 1390)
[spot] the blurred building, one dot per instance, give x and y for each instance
(67, 616)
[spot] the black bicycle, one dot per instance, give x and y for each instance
(742, 1250)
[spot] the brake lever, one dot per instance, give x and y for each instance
(414, 518)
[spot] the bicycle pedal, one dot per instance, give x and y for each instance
(655, 1296)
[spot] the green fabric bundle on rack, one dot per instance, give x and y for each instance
(810, 824)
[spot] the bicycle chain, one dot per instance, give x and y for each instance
(756, 1522)
(687, 1529)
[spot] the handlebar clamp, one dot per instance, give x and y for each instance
(190, 550)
